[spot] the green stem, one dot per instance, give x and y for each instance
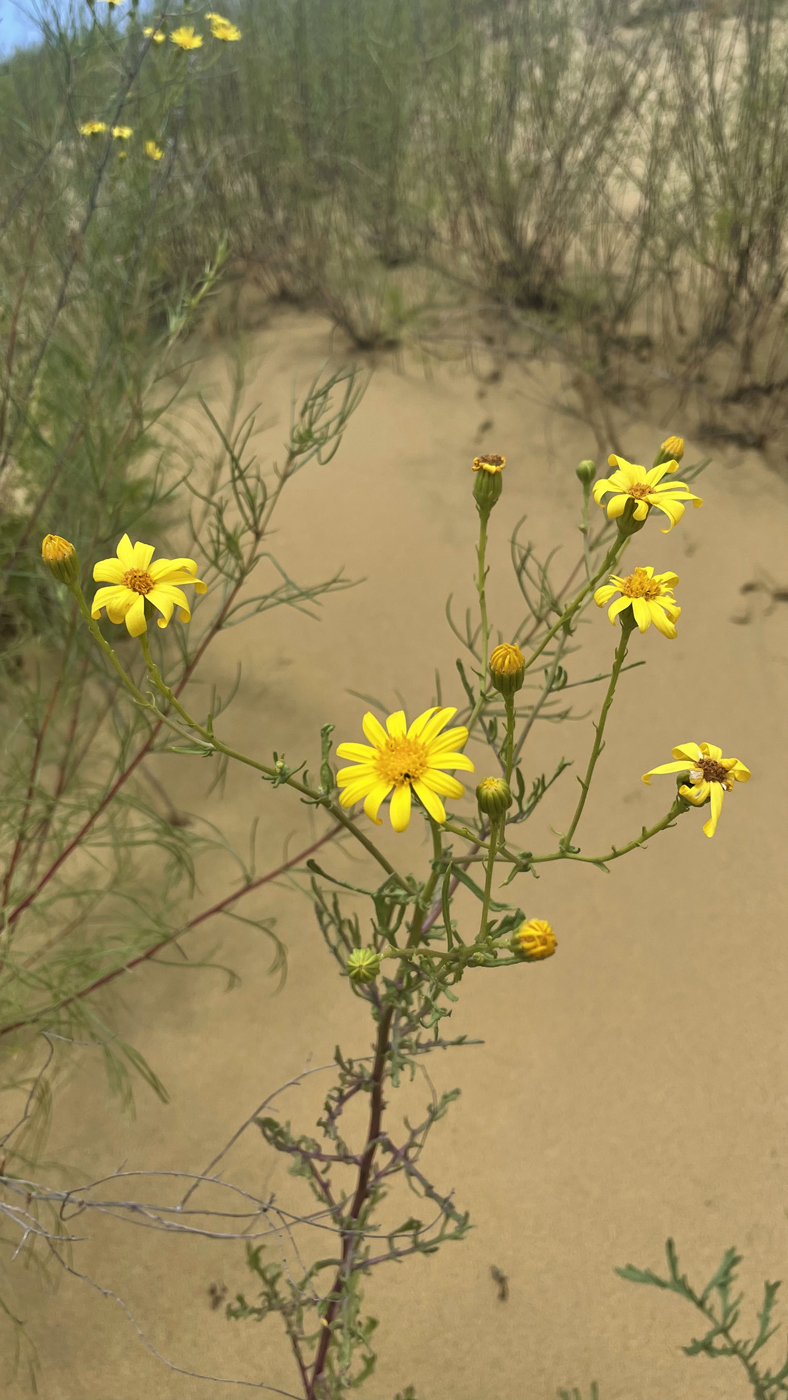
(627, 627)
(566, 617)
(481, 574)
(105, 646)
(509, 702)
(429, 889)
(676, 810)
(495, 827)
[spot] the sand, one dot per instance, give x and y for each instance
(631, 1088)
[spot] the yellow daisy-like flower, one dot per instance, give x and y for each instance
(711, 776)
(492, 464)
(632, 482)
(92, 128)
(122, 133)
(404, 760)
(134, 580)
(153, 151)
(185, 37)
(222, 28)
(649, 596)
(157, 35)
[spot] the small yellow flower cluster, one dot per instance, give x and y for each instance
(120, 133)
(221, 28)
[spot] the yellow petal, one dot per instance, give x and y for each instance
(109, 571)
(420, 722)
(452, 739)
(162, 567)
(711, 751)
(430, 800)
(740, 772)
(663, 768)
(717, 793)
(400, 807)
(667, 580)
(450, 760)
(125, 553)
(366, 772)
(661, 621)
(374, 731)
(443, 783)
(604, 594)
(618, 607)
(616, 506)
(600, 487)
(653, 477)
(363, 753)
(135, 617)
(429, 730)
(642, 614)
(142, 555)
(373, 800)
(116, 598)
(633, 474)
(641, 510)
(396, 725)
(689, 750)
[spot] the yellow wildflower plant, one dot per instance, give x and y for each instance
(153, 151)
(649, 595)
(122, 133)
(185, 37)
(135, 580)
(631, 482)
(402, 760)
(157, 35)
(710, 775)
(222, 28)
(92, 128)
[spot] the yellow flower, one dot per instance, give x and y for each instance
(185, 37)
(92, 128)
(61, 558)
(404, 759)
(135, 580)
(631, 482)
(649, 596)
(153, 151)
(222, 28)
(157, 35)
(122, 133)
(534, 940)
(492, 464)
(710, 775)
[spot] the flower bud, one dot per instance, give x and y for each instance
(585, 471)
(672, 450)
(494, 797)
(61, 559)
(487, 484)
(534, 940)
(507, 668)
(363, 965)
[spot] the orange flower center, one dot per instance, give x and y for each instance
(714, 772)
(402, 761)
(138, 580)
(640, 490)
(640, 585)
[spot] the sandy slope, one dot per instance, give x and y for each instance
(632, 1087)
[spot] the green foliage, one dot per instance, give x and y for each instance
(722, 1314)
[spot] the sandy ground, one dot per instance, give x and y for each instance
(631, 1088)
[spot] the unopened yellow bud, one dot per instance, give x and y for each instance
(672, 450)
(507, 668)
(61, 559)
(363, 965)
(494, 797)
(534, 940)
(488, 484)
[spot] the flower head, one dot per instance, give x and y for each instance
(185, 37)
(153, 151)
(61, 558)
(222, 28)
(710, 777)
(122, 133)
(649, 596)
(136, 581)
(645, 489)
(363, 965)
(672, 449)
(92, 128)
(494, 797)
(507, 668)
(534, 940)
(157, 35)
(400, 761)
(488, 482)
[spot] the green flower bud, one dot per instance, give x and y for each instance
(61, 559)
(363, 965)
(585, 471)
(494, 797)
(487, 484)
(507, 668)
(672, 450)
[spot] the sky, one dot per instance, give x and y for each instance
(17, 28)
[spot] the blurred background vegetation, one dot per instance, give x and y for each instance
(604, 180)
